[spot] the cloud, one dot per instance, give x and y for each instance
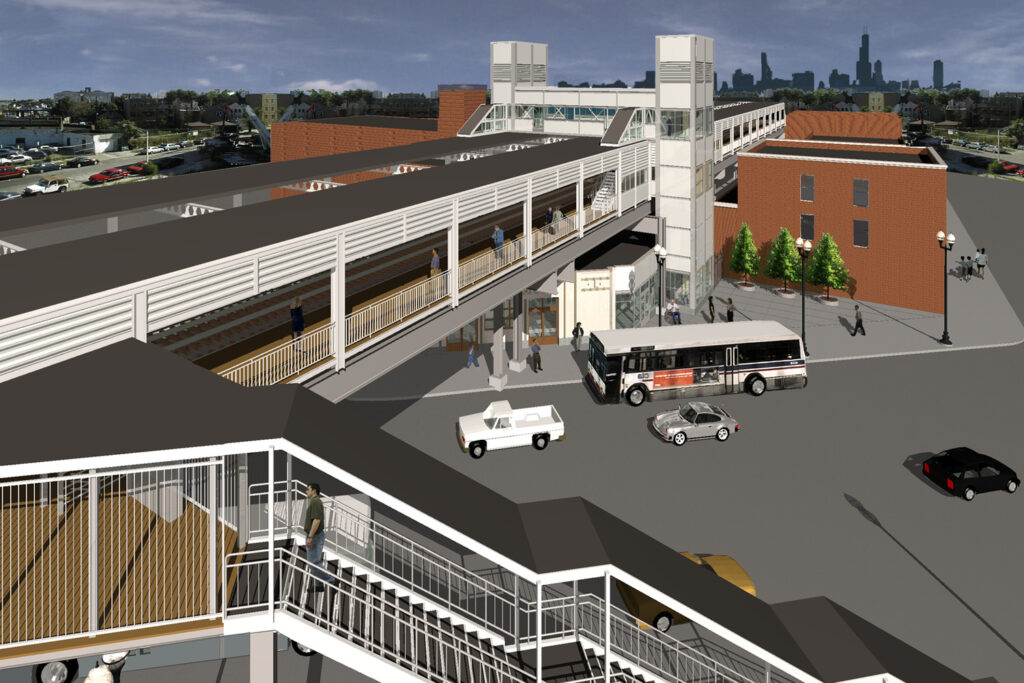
(203, 82)
(198, 12)
(415, 57)
(86, 52)
(234, 67)
(237, 67)
(324, 84)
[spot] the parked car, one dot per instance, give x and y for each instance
(974, 145)
(965, 472)
(1009, 168)
(136, 168)
(4, 196)
(78, 162)
(1020, 172)
(44, 167)
(35, 153)
(18, 158)
(961, 142)
(647, 610)
(152, 150)
(501, 427)
(694, 420)
(47, 185)
(1020, 147)
(12, 172)
(171, 145)
(947, 141)
(109, 174)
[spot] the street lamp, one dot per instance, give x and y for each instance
(946, 243)
(803, 247)
(660, 253)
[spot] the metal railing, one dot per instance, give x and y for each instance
(479, 267)
(285, 360)
(385, 628)
(393, 557)
(553, 232)
(8, 248)
(381, 314)
(650, 650)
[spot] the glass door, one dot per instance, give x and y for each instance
(460, 339)
(542, 320)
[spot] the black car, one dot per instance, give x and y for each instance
(964, 472)
(45, 167)
(81, 161)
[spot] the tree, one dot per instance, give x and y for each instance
(744, 257)
(827, 268)
(995, 166)
(1016, 129)
(783, 259)
(62, 107)
(149, 168)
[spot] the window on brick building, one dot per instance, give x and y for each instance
(807, 226)
(860, 233)
(860, 192)
(806, 188)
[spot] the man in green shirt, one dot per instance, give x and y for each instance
(314, 528)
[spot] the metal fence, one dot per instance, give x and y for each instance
(480, 267)
(379, 315)
(553, 232)
(285, 360)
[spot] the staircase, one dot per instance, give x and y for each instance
(367, 612)
(604, 199)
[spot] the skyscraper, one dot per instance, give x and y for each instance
(879, 81)
(937, 74)
(864, 63)
(838, 81)
(766, 72)
(716, 82)
(804, 81)
(742, 82)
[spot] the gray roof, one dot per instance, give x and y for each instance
(401, 122)
(19, 217)
(101, 263)
(829, 153)
(843, 646)
(96, 400)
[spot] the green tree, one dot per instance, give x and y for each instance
(61, 107)
(995, 166)
(827, 268)
(783, 259)
(149, 168)
(1016, 129)
(744, 258)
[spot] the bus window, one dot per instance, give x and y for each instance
(666, 360)
(707, 356)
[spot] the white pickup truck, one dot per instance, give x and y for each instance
(501, 427)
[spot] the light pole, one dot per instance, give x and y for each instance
(946, 243)
(803, 248)
(660, 253)
(147, 145)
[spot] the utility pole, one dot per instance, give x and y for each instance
(147, 145)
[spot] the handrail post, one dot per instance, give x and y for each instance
(94, 506)
(540, 628)
(607, 625)
(270, 533)
(515, 614)
(211, 475)
(288, 494)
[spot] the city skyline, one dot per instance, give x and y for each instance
(401, 46)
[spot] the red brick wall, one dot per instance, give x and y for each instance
(455, 107)
(901, 266)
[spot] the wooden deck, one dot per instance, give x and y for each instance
(150, 570)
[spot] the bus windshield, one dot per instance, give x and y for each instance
(597, 358)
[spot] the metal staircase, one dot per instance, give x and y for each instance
(604, 198)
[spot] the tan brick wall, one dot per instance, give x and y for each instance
(902, 266)
(801, 125)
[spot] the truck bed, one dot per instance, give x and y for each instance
(543, 416)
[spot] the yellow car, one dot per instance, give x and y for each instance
(649, 611)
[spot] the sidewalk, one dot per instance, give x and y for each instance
(980, 316)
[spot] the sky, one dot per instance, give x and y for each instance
(413, 45)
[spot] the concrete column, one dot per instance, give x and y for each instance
(212, 495)
(288, 492)
(112, 224)
(540, 629)
(263, 657)
(528, 222)
(271, 603)
(579, 203)
(607, 625)
(94, 551)
(243, 500)
(453, 255)
(618, 187)
(498, 378)
(518, 360)
(140, 320)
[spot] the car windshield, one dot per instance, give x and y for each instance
(687, 413)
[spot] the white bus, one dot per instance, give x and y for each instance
(678, 361)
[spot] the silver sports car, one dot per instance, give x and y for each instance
(695, 420)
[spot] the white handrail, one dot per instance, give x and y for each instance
(284, 360)
(553, 232)
(382, 314)
(479, 267)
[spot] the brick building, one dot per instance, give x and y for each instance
(882, 203)
(853, 126)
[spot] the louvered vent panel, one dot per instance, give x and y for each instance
(476, 204)
(297, 262)
(200, 293)
(372, 236)
(429, 218)
(675, 72)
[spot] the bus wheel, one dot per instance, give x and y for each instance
(636, 396)
(57, 671)
(756, 386)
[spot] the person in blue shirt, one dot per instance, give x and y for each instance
(535, 349)
(472, 355)
(499, 237)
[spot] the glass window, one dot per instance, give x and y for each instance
(807, 226)
(806, 188)
(989, 471)
(860, 192)
(667, 360)
(699, 181)
(698, 126)
(709, 121)
(860, 233)
(675, 124)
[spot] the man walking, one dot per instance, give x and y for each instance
(730, 310)
(970, 268)
(982, 261)
(711, 307)
(535, 349)
(499, 237)
(549, 216)
(961, 269)
(472, 355)
(860, 322)
(556, 219)
(435, 270)
(577, 335)
(314, 528)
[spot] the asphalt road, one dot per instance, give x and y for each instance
(820, 493)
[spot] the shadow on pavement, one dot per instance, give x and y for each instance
(869, 516)
(913, 465)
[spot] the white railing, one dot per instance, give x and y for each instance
(479, 267)
(379, 315)
(553, 232)
(285, 360)
(394, 557)
(386, 628)
(189, 210)
(8, 248)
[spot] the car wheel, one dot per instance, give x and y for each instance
(663, 622)
(477, 449)
(756, 386)
(636, 396)
(57, 672)
(679, 438)
(62, 189)
(302, 649)
(540, 441)
(968, 493)
(722, 434)
(1011, 486)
